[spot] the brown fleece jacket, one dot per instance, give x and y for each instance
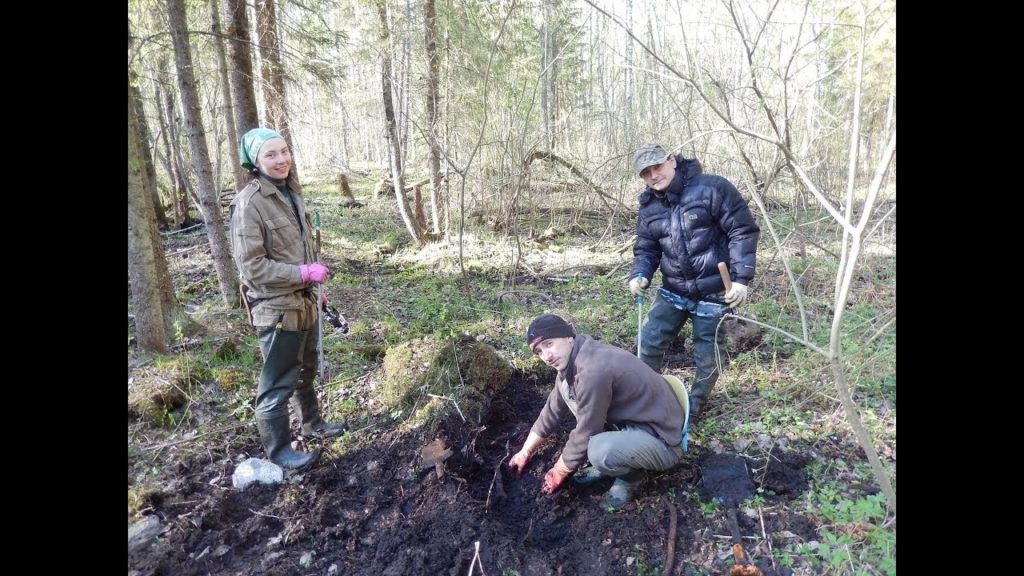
(611, 386)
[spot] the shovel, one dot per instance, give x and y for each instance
(726, 479)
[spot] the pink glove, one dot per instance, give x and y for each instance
(323, 298)
(315, 272)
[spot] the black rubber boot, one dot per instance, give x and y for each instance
(308, 410)
(704, 357)
(698, 397)
(304, 401)
(277, 442)
(703, 383)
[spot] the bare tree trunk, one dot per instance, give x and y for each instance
(183, 187)
(447, 181)
(171, 308)
(246, 113)
(175, 165)
(225, 88)
(553, 83)
(209, 202)
(544, 78)
(404, 88)
(274, 99)
(437, 197)
(395, 153)
(150, 330)
(166, 158)
(549, 72)
(144, 139)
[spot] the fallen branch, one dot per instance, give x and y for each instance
(182, 251)
(450, 400)
(764, 535)
(552, 157)
(496, 481)
(265, 515)
(670, 550)
(541, 294)
(192, 438)
(615, 268)
(476, 558)
(172, 232)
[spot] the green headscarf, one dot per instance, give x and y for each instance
(249, 148)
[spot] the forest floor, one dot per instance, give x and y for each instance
(370, 506)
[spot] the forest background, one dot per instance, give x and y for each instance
(470, 162)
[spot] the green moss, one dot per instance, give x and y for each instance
(232, 379)
(138, 498)
(423, 375)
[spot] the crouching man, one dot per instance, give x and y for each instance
(628, 418)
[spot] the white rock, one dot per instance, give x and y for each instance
(143, 532)
(256, 470)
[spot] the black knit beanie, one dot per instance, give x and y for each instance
(547, 326)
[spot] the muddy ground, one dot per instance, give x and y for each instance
(370, 506)
(375, 510)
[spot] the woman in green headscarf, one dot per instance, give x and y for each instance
(271, 236)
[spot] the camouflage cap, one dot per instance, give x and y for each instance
(648, 155)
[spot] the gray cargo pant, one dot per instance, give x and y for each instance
(620, 452)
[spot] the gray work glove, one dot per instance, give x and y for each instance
(737, 296)
(638, 284)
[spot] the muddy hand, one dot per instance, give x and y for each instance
(518, 462)
(553, 480)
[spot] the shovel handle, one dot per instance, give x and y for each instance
(723, 269)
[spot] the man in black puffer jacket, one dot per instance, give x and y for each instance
(688, 223)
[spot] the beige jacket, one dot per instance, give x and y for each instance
(269, 244)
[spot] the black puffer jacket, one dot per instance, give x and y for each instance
(699, 221)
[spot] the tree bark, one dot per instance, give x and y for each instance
(174, 163)
(274, 100)
(145, 138)
(150, 330)
(209, 203)
(438, 206)
(237, 19)
(225, 88)
(394, 149)
(182, 187)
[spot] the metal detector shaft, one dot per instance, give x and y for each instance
(319, 306)
(320, 333)
(639, 324)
